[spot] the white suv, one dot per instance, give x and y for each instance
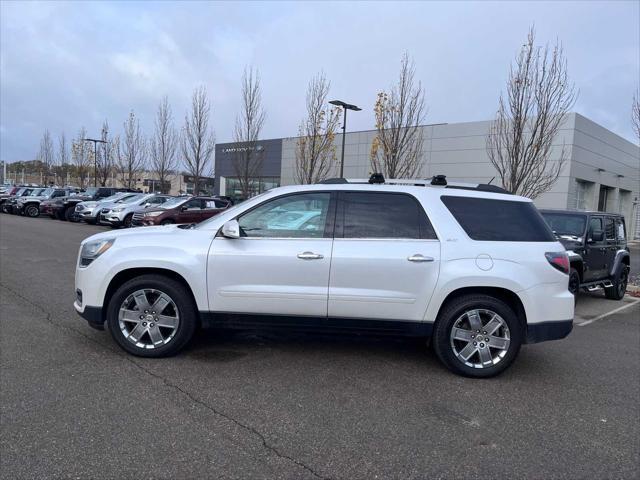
(470, 266)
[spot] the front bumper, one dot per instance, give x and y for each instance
(93, 315)
(114, 219)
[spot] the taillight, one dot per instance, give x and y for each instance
(558, 260)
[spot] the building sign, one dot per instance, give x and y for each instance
(257, 148)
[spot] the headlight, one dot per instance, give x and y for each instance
(153, 214)
(92, 250)
(119, 209)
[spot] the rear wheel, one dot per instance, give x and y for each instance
(152, 316)
(477, 336)
(619, 288)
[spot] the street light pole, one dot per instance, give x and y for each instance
(95, 158)
(345, 107)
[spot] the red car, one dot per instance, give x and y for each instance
(181, 210)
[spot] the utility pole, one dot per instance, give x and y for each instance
(95, 158)
(345, 107)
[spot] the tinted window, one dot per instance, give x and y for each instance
(499, 220)
(292, 216)
(383, 215)
(193, 204)
(609, 229)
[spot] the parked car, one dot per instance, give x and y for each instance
(8, 206)
(121, 213)
(472, 267)
(89, 211)
(64, 209)
(12, 190)
(30, 205)
(598, 253)
(180, 210)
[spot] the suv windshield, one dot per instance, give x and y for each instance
(90, 191)
(46, 191)
(563, 224)
(130, 198)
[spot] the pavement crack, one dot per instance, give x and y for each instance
(248, 428)
(244, 426)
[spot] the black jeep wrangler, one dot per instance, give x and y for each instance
(597, 247)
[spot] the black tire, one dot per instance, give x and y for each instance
(168, 221)
(51, 215)
(70, 215)
(619, 288)
(574, 283)
(60, 215)
(453, 311)
(31, 211)
(90, 221)
(126, 223)
(185, 306)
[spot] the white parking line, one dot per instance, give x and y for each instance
(615, 310)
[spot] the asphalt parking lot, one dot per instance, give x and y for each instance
(73, 405)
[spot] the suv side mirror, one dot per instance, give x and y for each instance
(184, 208)
(231, 229)
(596, 236)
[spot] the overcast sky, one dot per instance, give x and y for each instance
(64, 65)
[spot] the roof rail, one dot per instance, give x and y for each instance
(438, 181)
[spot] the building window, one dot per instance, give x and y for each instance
(257, 186)
(603, 198)
(581, 194)
(623, 200)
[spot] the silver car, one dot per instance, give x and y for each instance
(121, 213)
(89, 210)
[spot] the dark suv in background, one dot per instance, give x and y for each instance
(597, 247)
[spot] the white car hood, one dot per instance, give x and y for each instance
(133, 232)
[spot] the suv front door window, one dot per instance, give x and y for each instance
(280, 264)
(384, 255)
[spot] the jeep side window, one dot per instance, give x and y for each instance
(620, 230)
(610, 230)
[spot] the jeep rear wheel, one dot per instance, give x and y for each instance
(619, 288)
(152, 316)
(477, 336)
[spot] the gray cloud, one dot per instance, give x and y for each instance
(64, 65)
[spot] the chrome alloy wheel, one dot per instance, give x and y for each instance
(480, 338)
(148, 318)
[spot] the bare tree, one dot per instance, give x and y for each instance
(635, 114)
(63, 155)
(315, 151)
(46, 156)
(197, 142)
(248, 157)
(163, 144)
(132, 156)
(106, 155)
(82, 158)
(520, 142)
(397, 148)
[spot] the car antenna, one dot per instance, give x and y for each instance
(492, 179)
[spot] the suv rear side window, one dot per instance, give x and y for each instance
(609, 228)
(384, 215)
(499, 220)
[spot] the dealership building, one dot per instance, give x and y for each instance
(602, 171)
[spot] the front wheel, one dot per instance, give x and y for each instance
(619, 288)
(127, 221)
(152, 316)
(168, 221)
(477, 336)
(32, 211)
(70, 215)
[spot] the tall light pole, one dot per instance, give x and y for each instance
(95, 158)
(345, 107)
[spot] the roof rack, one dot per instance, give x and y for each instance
(435, 181)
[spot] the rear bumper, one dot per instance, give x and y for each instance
(545, 331)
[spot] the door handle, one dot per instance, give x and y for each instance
(310, 256)
(419, 258)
